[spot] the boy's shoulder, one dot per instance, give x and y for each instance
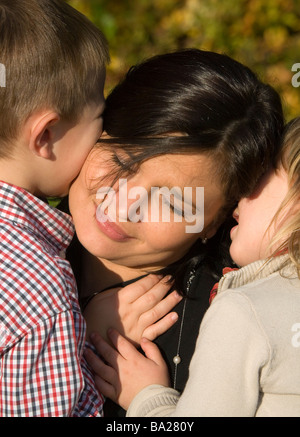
(35, 286)
(33, 219)
(35, 281)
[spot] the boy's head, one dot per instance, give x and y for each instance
(54, 59)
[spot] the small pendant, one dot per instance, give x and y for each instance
(177, 359)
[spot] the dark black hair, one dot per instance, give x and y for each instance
(218, 106)
(218, 103)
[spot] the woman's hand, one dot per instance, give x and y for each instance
(137, 310)
(124, 371)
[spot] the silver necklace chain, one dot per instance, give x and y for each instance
(177, 357)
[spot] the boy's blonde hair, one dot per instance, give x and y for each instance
(289, 232)
(54, 57)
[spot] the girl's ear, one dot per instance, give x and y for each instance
(41, 134)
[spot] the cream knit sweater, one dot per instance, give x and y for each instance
(247, 357)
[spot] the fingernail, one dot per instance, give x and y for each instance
(94, 336)
(167, 279)
(87, 352)
(174, 317)
(110, 331)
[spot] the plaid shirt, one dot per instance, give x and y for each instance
(42, 331)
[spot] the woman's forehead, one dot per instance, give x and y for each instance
(183, 168)
(170, 170)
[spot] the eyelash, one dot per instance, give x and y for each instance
(123, 165)
(173, 209)
(120, 163)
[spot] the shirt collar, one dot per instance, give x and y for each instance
(254, 271)
(24, 209)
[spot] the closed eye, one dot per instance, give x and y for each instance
(120, 162)
(175, 209)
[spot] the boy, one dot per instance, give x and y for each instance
(50, 110)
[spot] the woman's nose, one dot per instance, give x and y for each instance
(132, 203)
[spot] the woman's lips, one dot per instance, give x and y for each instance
(109, 228)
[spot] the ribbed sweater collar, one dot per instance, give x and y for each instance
(257, 270)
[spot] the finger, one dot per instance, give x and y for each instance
(99, 367)
(154, 295)
(162, 308)
(107, 352)
(123, 346)
(152, 351)
(105, 388)
(160, 327)
(140, 287)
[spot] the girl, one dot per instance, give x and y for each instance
(247, 357)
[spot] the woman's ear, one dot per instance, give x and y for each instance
(41, 135)
(210, 231)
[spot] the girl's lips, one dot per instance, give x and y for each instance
(232, 230)
(111, 229)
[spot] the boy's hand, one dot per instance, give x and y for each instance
(137, 310)
(124, 371)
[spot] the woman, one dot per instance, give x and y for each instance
(182, 120)
(246, 361)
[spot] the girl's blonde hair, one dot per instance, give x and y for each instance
(288, 235)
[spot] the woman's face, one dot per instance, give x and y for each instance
(149, 219)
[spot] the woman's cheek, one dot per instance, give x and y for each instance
(170, 236)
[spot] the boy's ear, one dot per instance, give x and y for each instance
(41, 133)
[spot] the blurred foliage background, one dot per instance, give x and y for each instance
(263, 34)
